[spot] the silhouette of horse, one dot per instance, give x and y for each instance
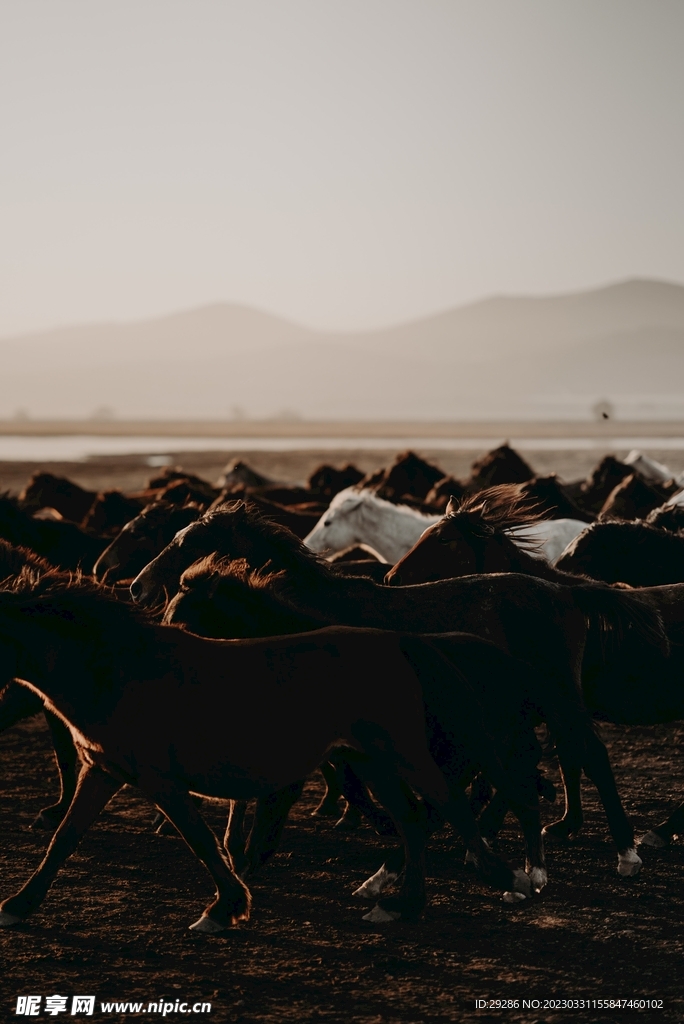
(408, 477)
(45, 490)
(502, 465)
(632, 498)
(541, 623)
(141, 539)
(639, 554)
(64, 544)
(168, 712)
(627, 684)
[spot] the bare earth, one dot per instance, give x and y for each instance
(116, 922)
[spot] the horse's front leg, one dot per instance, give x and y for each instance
(94, 790)
(233, 900)
(569, 763)
(68, 764)
(597, 767)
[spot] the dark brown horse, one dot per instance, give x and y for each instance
(630, 684)
(63, 543)
(538, 622)
(169, 712)
(45, 490)
(143, 538)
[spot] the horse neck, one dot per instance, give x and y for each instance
(522, 561)
(392, 530)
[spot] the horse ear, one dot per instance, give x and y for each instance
(452, 506)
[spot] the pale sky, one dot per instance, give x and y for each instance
(344, 163)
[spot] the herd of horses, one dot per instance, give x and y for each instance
(426, 642)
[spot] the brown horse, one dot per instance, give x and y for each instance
(633, 684)
(141, 539)
(170, 713)
(538, 622)
(45, 490)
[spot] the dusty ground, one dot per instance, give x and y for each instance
(116, 921)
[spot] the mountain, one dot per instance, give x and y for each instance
(503, 356)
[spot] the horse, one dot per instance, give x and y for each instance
(408, 476)
(63, 544)
(141, 539)
(226, 599)
(636, 553)
(169, 712)
(493, 531)
(632, 498)
(502, 465)
(360, 517)
(667, 517)
(628, 685)
(45, 490)
(326, 481)
(539, 622)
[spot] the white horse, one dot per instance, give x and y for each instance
(360, 517)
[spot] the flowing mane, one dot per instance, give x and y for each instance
(499, 509)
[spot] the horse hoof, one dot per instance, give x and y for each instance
(538, 877)
(629, 863)
(374, 885)
(45, 822)
(7, 920)
(655, 841)
(514, 897)
(559, 832)
(207, 926)
(346, 824)
(379, 916)
(522, 884)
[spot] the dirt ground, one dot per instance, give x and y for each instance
(115, 923)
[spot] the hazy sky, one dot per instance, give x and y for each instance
(346, 163)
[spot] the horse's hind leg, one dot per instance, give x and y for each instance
(663, 834)
(269, 822)
(234, 839)
(598, 769)
(93, 791)
(233, 900)
(328, 807)
(67, 764)
(358, 800)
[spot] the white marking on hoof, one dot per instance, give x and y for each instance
(539, 877)
(629, 863)
(379, 916)
(514, 897)
(374, 885)
(7, 920)
(208, 926)
(522, 883)
(653, 840)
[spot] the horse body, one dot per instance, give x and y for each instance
(360, 517)
(174, 713)
(538, 622)
(626, 552)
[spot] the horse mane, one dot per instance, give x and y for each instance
(279, 545)
(72, 596)
(500, 508)
(13, 558)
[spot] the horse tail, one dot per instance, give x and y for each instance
(614, 612)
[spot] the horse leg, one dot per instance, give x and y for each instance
(597, 768)
(663, 834)
(269, 821)
(359, 803)
(234, 839)
(490, 821)
(17, 702)
(409, 903)
(94, 790)
(328, 808)
(67, 762)
(233, 900)
(570, 824)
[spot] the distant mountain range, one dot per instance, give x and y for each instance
(501, 357)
